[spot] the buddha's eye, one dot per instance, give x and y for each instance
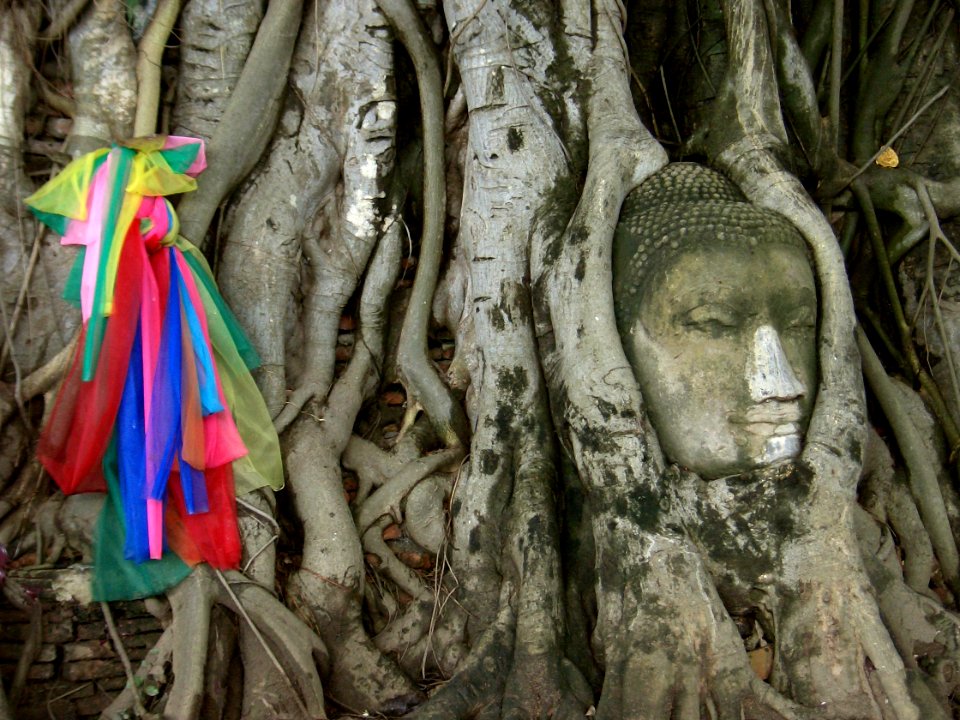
(713, 319)
(801, 320)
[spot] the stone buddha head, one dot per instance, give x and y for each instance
(717, 308)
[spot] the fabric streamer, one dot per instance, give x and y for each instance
(158, 408)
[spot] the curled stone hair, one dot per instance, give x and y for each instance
(682, 207)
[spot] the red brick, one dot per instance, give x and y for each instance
(92, 670)
(60, 709)
(57, 633)
(93, 705)
(415, 560)
(13, 651)
(41, 671)
(137, 626)
(114, 683)
(394, 397)
(145, 640)
(91, 631)
(87, 650)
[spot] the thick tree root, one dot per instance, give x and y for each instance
(249, 119)
(198, 668)
(477, 688)
(423, 383)
(103, 60)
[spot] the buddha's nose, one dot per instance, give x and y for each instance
(768, 370)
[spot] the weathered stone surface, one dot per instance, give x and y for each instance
(57, 634)
(92, 631)
(41, 671)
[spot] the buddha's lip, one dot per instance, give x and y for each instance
(776, 419)
(770, 413)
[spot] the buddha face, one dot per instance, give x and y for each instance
(724, 349)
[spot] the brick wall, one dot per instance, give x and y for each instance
(77, 672)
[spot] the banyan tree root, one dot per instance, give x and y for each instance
(215, 41)
(744, 149)
(329, 583)
(334, 149)
(299, 654)
(249, 117)
(103, 65)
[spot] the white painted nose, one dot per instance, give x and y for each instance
(768, 371)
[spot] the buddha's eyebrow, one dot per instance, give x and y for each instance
(799, 296)
(713, 294)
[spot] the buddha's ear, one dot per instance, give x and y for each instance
(637, 343)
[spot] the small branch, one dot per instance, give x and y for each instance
(265, 517)
(21, 298)
(923, 476)
(405, 578)
(422, 379)
(893, 138)
(836, 69)
(19, 598)
(40, 380)
(263, 548)
(909, 350)
(151, 666)
(886, 272)
(933, 53)
(59, 102)
(936, 235)
(138, 707)
(389, 496)
(882, 82)
(149, 65)
(64, 19)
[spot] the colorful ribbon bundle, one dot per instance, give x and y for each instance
(158, 408)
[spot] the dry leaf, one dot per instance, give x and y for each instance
(761, 660)
(888, 158)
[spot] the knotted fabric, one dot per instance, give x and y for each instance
(158, 407)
